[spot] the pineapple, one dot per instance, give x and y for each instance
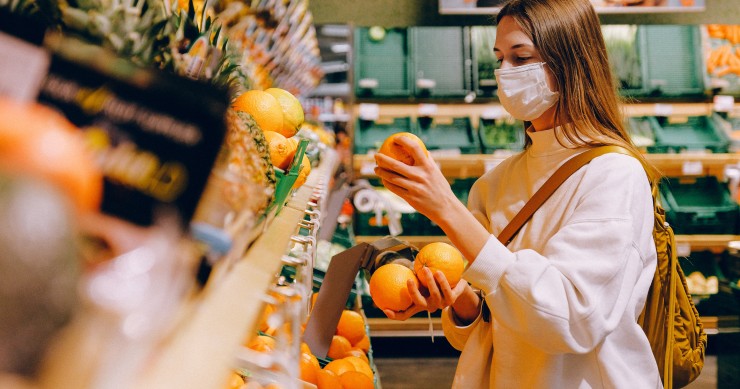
(247, 156)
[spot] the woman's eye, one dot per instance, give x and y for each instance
(498, 61)
(523, 59)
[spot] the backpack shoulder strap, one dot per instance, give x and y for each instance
(549, 187)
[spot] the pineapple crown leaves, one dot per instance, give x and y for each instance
(184, 28)
(45, 11)
(128, 27)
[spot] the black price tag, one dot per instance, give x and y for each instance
(155, 135)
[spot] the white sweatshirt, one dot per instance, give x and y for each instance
(565, 295)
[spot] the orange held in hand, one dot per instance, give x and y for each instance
(443, 257)
(388, 287)
(398, 152)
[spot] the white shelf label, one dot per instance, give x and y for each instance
(724, 103)
(493, 113)
(24, 67)
(692, 168)
(490, 164)
(663, 109)
(428, 109)
(683, 249)
(367, 168)
(369, 111)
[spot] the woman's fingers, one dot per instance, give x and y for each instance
(416, 295)
(435, 297)
(413, 148)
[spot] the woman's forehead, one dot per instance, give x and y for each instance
(509, 35)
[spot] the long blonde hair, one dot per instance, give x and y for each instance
(567, 34)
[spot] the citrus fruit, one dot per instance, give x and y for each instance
(303, 173)
(281, 151)
(338, 347)
(235, 381)
(357, 352)
(309, 365)
(351, 325)
(356, 380)
(363, 344)
(291, 108)
(38, 141)
(360, 366)
(398, 152)
(340, 366)
(264, 108)
(388, 287)
(328, 380)
(443, 257)
(305, 348)
(262, 343)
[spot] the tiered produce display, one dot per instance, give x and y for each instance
(167, 142)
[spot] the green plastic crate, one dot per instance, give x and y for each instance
(623, 50)
(440, 55)
(641, 131)
(500, 134)
(384, 64)
(448, 133)
(697, 133)
(671, 60)
(699, 205)
(369, 135)
(482, 39)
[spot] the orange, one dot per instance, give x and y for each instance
(398, 152)
(338, 347)
(269, 310)
(363, 344)
(443, 257)
(309, 365)
(262, 343)
(388, 287)
(303, 173)
(340, 366)
(314, 296)
(328, 380)
(235, 381)
(351, 325)
(292, 110)
(38, 141)
(305, 348)
(360, 366)
(281, 152)
(357, 352)
(356, 380)
(264, 108)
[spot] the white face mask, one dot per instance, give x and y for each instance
(523, 91)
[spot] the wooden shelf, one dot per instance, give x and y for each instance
(419, 327)
(412, 327)
(474, 165)
(715, 243)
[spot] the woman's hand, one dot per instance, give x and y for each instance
(437, 295)
(422, 185)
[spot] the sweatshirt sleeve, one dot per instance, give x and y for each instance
(570, 296)
(457, 334)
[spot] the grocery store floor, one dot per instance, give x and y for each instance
(411, 364)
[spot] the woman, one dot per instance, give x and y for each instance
(563, 298)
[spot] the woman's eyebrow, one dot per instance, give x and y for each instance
(516, 46)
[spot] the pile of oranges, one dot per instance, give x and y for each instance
(349, 366)
(279, 114)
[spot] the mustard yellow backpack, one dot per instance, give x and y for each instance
(670, 319)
